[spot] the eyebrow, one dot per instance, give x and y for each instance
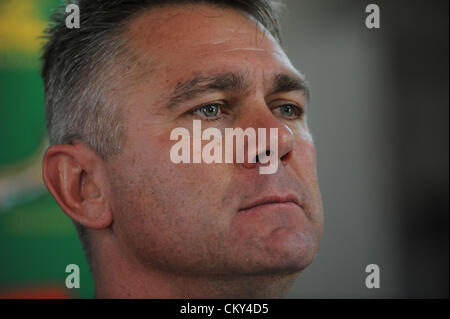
(287, 83)
(231, 81)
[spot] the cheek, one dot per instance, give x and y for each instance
(304, 159)
(303, 166)
(302, 133)
(180, 196)
(167, 206)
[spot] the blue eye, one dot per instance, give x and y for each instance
(290, 111)
(209, 111)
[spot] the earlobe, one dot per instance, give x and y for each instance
(73, 175)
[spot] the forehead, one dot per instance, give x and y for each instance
(184, 37)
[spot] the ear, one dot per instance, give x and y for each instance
(76, 177)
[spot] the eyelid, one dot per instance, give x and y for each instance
(284, 103)
(280, 102)
(220, 103)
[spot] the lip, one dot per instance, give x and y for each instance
(272, 199)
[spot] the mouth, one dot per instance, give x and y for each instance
(271, 200)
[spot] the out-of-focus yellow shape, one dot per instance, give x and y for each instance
(20, 26)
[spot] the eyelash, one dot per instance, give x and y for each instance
(219, 105)
(298, 110)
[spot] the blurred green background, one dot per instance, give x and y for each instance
(37, 240)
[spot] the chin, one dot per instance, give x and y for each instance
(285, 252)
(291, 249)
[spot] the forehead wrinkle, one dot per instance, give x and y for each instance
(246, 49)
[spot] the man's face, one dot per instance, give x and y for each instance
(192, 218)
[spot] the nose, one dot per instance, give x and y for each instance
(273, 139)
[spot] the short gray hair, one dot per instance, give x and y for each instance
(80, 64)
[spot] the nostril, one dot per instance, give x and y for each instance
(285, 158)
(258, 159)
